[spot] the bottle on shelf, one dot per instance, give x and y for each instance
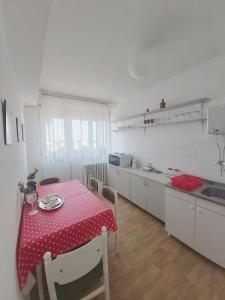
(162, 104)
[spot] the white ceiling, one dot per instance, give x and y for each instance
(25, 25)
(111, 49)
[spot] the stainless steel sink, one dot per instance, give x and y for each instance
(210, 190)
(214, 192)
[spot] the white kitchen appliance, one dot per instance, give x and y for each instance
(120, 160)
(216, 119)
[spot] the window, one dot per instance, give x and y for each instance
(75, 133)
(80, 134)
(55, 138)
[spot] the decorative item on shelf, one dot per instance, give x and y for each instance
(162, 104)
(147, 121)
(147, 110)
(197, 115)
(176, 117)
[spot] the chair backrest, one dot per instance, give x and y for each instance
(73, 265)
(95, 185)
(109, 194)
(49, 181)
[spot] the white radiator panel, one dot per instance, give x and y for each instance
(98, 171)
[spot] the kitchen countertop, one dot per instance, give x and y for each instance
(161, 178)
(165, 179)
(197, 192)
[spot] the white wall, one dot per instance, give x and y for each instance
(33, 139)
(12, 170)
(182, 146)
(25, 25)
(204, 80)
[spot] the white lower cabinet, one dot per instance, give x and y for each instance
(144, 192)
(149, 195)
(156, 199)
(139, 191)
(180, 218)
(198, 223)
(123, 183)
(119, 180)
(210, 235)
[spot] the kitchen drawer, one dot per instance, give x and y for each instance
(217, 208)
(181, 195)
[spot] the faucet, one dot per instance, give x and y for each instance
(221, 163)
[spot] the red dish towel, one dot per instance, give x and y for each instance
(186, 182)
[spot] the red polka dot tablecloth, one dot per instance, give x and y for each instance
(77, 221)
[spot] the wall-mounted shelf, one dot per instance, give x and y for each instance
(191, 111)
(176, 106)
(201, 119)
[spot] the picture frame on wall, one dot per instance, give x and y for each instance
(7, 123)
(17, 130)
(22, 132)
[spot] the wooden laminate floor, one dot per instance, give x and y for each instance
(152, 266)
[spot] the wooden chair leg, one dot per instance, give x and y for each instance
(116, 243)
(105, 264)
(40, 282)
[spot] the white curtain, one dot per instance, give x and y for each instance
(74, 133)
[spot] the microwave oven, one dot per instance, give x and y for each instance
(120, 160)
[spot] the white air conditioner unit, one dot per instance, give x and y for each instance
(216, 119)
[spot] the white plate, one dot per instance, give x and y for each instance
(51, 202)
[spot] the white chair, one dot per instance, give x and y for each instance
(110, 195)
(70, 274)
(95, 185)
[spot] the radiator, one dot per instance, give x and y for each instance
(98, 171)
